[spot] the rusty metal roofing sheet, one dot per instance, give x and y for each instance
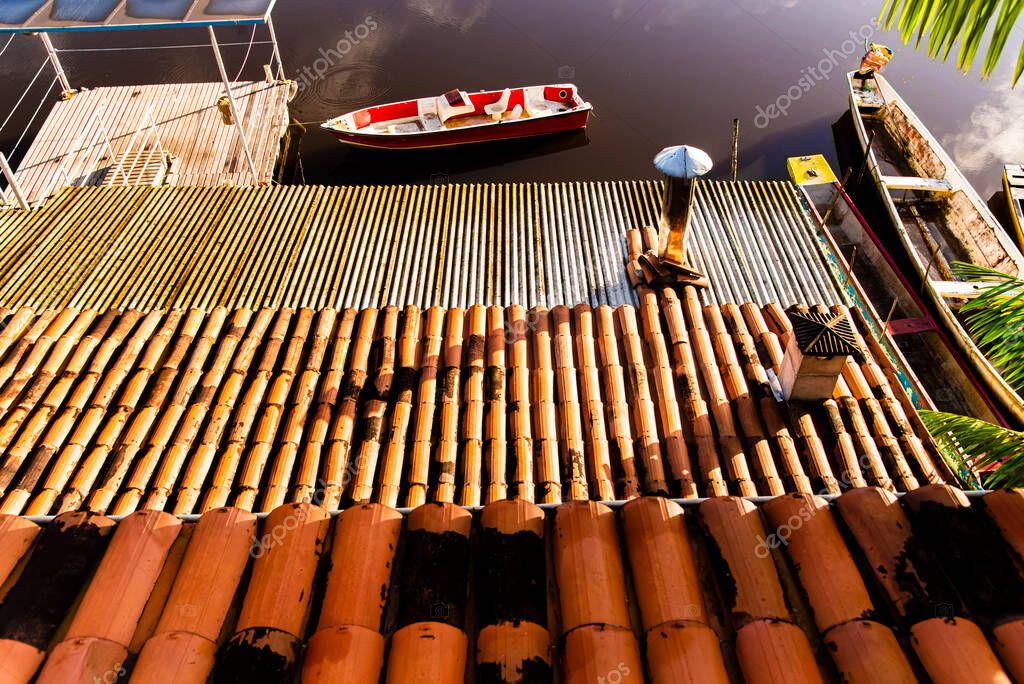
(445, 245)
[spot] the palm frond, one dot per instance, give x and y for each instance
(988, 446)
(949, 22)
(996, 319)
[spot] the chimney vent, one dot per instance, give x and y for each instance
(818, 349)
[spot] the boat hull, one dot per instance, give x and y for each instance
(1013, 185)
(1007, 399)
(870, 277)
(504, 130)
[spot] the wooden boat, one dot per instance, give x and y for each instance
(1013, 185)
(933, 370)
(937, 215)
(460, 118)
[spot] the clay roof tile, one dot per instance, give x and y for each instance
(773, 652)
(588, 566)
(362, 554)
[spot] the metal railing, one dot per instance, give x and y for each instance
(146, 137)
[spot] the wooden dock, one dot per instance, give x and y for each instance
(167, 134)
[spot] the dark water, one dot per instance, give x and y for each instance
(659, 72)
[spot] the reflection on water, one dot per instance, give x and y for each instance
(994, 130)
(355, 165)
(452, 13)
(659, 73)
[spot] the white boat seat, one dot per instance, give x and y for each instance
(454, 103)
(536, 105)
(428, 116)
(914, 183)
(430, 122)
(408, 127)
(537, 108)
(496, 109)
(516, 112)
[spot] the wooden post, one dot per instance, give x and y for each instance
(231, 102)
(13, 182)
(735, 147)
(849, 266)
(864, 161)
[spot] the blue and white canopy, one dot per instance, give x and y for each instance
(20, 16)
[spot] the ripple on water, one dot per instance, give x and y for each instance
(352, 85)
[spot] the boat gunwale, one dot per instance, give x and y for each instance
(1015, 198)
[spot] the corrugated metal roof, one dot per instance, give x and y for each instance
(444, 245)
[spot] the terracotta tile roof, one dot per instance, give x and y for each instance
(186, 411)
(869, 588)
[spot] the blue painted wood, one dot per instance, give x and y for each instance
(18, 11)
(159, 9)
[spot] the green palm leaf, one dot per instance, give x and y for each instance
(964, 22)
(990, 446)
(996, 319)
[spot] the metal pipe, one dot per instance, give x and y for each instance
(231, 102)
(12, 182)
(55, 61)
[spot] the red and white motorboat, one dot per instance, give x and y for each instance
(459, 118)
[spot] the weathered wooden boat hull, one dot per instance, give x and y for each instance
(935, 372)
(960, 226)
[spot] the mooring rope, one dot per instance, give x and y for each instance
(245, 59)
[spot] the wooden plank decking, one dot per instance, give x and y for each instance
(206, 150)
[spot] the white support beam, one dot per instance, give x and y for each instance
(231, 102)
(12, 181)
(277, 49)
(55, 61)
